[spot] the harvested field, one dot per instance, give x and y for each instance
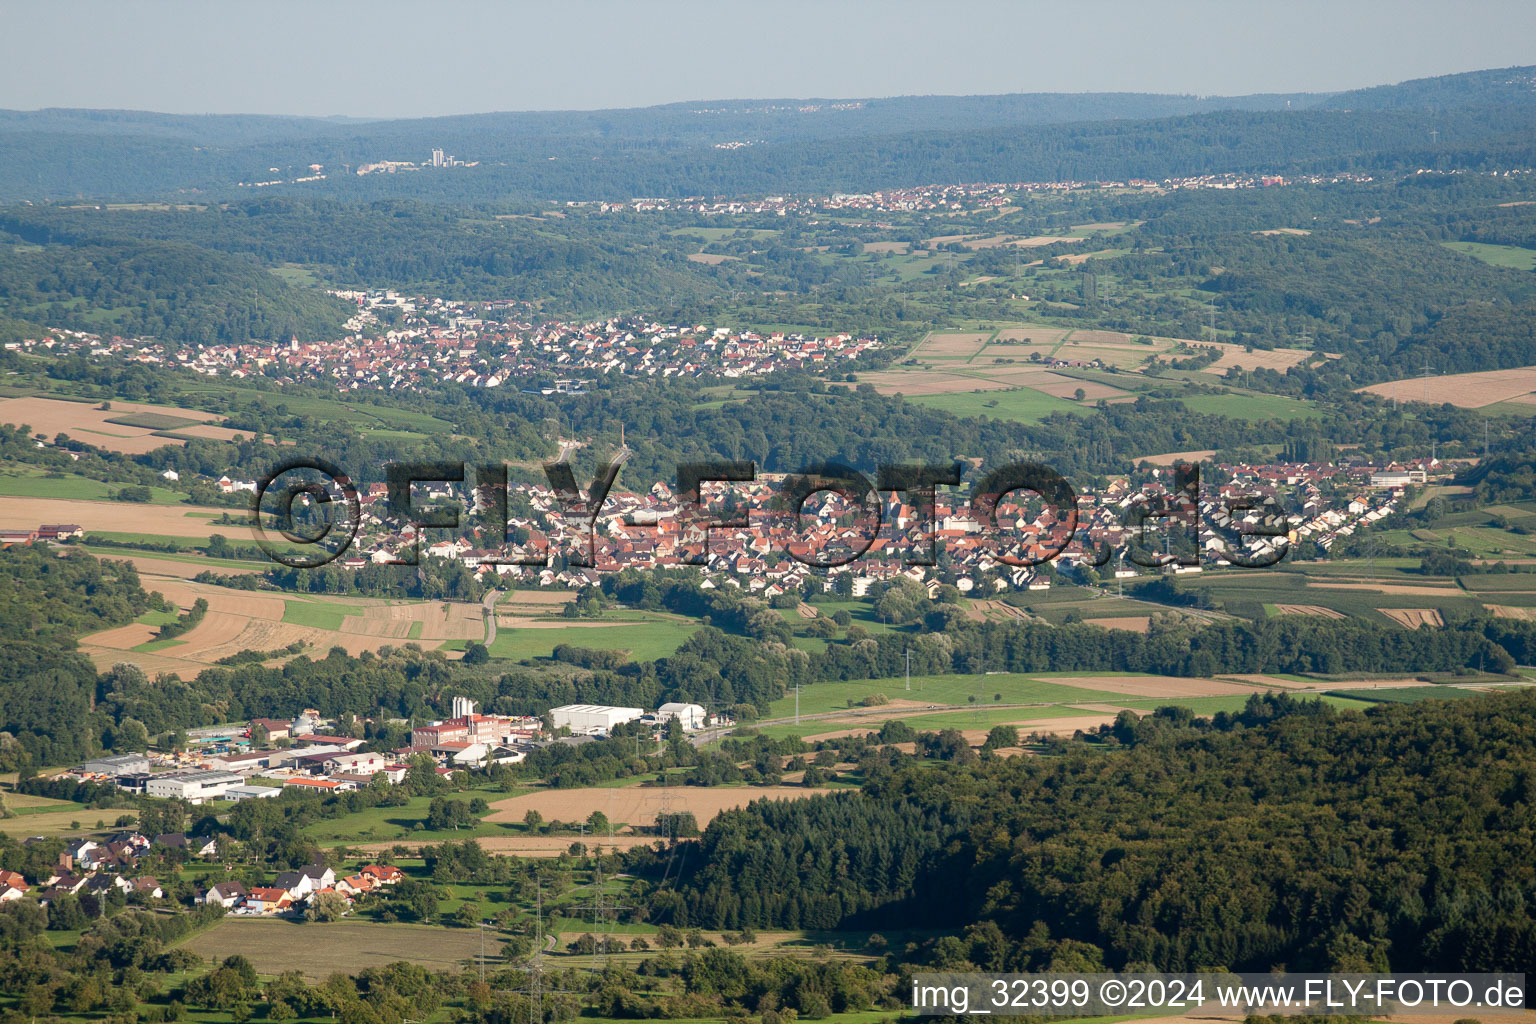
(887, 247)
(1155, 686)
(996, 241)
(953, 346)
(1083, 336)
(1410, 589)
(1134, 623)
(113, 516)
(638, 805)
(319, 950)
(125, 638)
(448, 621)
(1504, 611)
(927, 382)
(175, 568)
(1283, 231)
(548, 599)
(83, 421)
(976, 737)
(1310, 609)
(1467, 390)
(1275, 682)
(1169, 458)
(981, 610)
(241, 620)
(1259, 359)
(1030, 335)
(1413, 618)
(710, 258)
(213, 433)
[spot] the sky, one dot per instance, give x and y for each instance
(387, 58)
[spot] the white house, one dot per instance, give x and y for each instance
(225, 894)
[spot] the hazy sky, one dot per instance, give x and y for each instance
(390, 58)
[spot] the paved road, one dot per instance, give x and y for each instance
(488, 604)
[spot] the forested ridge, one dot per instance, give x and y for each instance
(173, 291)
(1402, 838)
(585, 166)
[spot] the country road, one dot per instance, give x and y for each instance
(488, 604)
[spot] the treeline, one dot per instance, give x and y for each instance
(1290, 833)
(435, 579)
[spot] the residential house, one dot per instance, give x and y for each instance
(12, 886)
(225, 894)
(267, 901)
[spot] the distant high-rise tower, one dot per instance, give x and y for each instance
(463, 707)
(437, 158)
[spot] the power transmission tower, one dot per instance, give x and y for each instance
(604, 910)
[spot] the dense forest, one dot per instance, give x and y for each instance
(1400, 839)
(177, 292)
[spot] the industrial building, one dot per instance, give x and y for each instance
(196, 785)
(690, 716)
(121, 764)
(592, 718)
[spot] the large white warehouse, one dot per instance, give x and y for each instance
(592, 718)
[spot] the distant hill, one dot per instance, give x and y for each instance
(1503, 86)
(744, 146)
